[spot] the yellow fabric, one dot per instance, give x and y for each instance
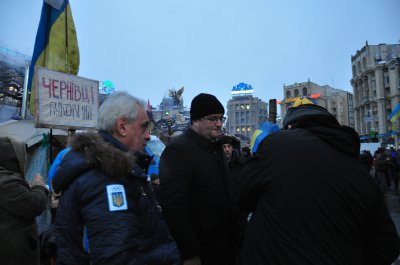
(254, 137)
(302, 101)
(55, 56)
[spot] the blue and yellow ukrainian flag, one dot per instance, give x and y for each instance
(263, 130)
(395, 114)
(56, 45)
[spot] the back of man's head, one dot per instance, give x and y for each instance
(118, 104)
(300, 112)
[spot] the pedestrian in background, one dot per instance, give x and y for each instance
(366, 160)
(20, 204)
(155, 185)
(230, 145)
(196, 191)
(393, 169)
(381, 168)
(105, 194)
(312, 201)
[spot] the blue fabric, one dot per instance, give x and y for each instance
(54, 166)
(266, 128)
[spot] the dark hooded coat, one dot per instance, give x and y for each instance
(312, 201)
(135, 233)
(19, 205)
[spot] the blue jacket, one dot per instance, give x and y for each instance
(106, 192)
(54, 166)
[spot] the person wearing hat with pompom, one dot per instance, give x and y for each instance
(311, 199)
(195, 189)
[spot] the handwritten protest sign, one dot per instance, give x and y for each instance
(65, 101)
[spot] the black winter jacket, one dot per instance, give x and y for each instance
(106, 195)
(196, 198)
(312, 201)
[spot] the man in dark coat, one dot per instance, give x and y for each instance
(195, 191)
(230, 146)
(312, 201)
(106, 214)
(20, 203)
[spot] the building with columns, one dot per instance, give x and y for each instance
(338, 102)
(376, 87)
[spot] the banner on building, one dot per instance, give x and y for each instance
(65, 101)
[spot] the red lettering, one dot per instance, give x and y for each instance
(85, 97)
(70, 91)
(63, 87)
(47, 85)
(77, 93)
(54, 84)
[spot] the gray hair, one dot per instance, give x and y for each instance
(118, 104)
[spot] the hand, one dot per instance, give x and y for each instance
(38, 181)
(54, 201)
(192, 261)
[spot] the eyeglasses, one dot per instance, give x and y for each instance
(214, 119)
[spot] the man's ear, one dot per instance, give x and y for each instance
(120, 126)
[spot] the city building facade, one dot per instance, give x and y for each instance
(338, 102)
(245, 112)
(376, 86)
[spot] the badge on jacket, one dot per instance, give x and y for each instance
(116, 197)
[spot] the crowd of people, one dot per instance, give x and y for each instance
(384, 166)
(304, 195)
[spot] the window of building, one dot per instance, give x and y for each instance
(304, 91)
(377, 56)
(247, 117)
(288, 94)
(237, 129)
(237, 107)
(243, 129)
(241, 106)
(364, 63)
(386, 79)
(296, 93)
(248, 128)
(359, 67)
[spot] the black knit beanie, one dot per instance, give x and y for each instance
(203, 105)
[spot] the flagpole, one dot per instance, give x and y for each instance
(66, 37)
(25, 94)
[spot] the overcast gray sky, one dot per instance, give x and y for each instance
(147, 47)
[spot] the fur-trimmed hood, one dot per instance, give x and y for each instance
(102, 155)
(96, 151)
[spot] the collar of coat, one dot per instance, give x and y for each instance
(201, 141)
(95, 151)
